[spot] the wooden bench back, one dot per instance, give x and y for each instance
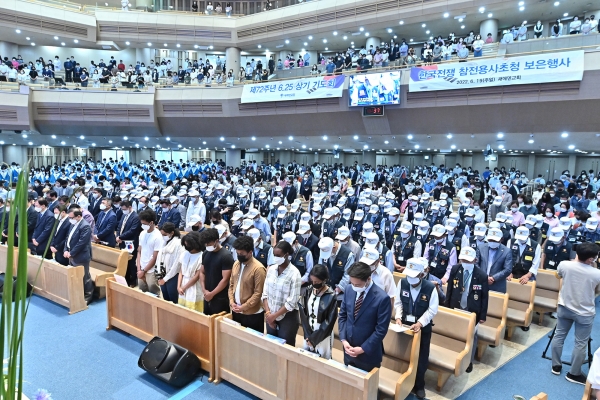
(453, 329)
(497, 305)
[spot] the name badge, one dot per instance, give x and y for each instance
(400, 258)
(528, 258)
(552, 263)
(404, 293)
(571, 239)
(411, 318)
(550, 247)
(476, 287)
(433, 264)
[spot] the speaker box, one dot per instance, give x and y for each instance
(14, 285)
(169, 362)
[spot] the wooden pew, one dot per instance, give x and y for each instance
(541, 396)
(520, 305)
(399, 367)
(588, 392)
(491, 331)
(451, 343)
(58, 283)
(107, 261)
(146, 316)
(548, 285)
(272, 371)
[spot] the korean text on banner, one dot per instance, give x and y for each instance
(538, 68)
(294, 89)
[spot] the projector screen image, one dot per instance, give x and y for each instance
(374, 89)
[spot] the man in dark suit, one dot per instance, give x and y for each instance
(468, 290)
(364, 319)
(78, 249)
(95, 201)
(129, 229)
(60, 237)
(52, 200)
(379, 178)
(495, 259)
(32, 219)
(289, 192)
(308, 239)
(106, 223)
(4, 211)
(43, 229)
(169, 213)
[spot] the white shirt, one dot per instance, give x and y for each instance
(149, 243)
(428, 315)
(383, 278)
(71, 234)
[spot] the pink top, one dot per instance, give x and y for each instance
(489, 40)
(518, 218)
(552, 222)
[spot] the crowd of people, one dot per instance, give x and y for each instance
(285, 245)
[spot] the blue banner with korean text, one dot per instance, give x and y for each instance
(294, 89)
(538, 68)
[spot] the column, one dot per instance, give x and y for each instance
(370, 158)
(493, 164)
(571, 165)
(144, 55)
(233, 157)
(233, 60)
(16, 154)
(531, 167)
(372, 40)
(489, 26)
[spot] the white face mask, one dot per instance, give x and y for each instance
(73, 221)
(469, 219)
(210, 248)
(38, 209)
(305, 235)
(549, 214)
(278, 260)
(479, 237)
(145, 227)
(125, 212)
(360, 289)
(404, 235)
(166, 239)
(413, 281)
(514, 210)
(494, 245)
(57, 216)
(103, 207)
(468, 266)
(440, 240)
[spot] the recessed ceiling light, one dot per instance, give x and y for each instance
(179, 145)
(395, 37)
(81, 137)
(55, 37)
(462, 27)
(30, 143)
(410, 137)
(222, 138)
(324, 40)
(63, 142)
(165, 45)
(303, 146)
(446, 15)
(178, 45)
(280, 142)
(28, 38)
(427, 31)
(530, 141)
(203, 142)
(33, 44)
(345, 37)
(355, 137)
(410, 40)
(310, 38)
(110, 141)
(62, 44)
(386, 142)
(287, 41)
(76, 41)
(361, 29)
(423, 25)
(94, 144)
(565, 14)
(18, 30)
(334, 33)
(401, 22)
(306, 44)
(500, 135)
(127, 43)
(430, 37)
(501, 146)
(267, 146)
(195, 46)
(564, 134)
(453, 147)
(417, 146)
(521, 3)
(253, 137)
(490, 15)
(210, 47)
(366, 33)
(521, 8)
(365, 146)
(53, 136)
(449, 136)
(460, 20)
(389, 30)
(571, 147)
(125, 138)
(324, 137)
(146, 138)
(481, 9)
(233, 146)
(556, 3)
(149, 44)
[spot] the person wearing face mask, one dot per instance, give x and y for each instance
(281, 293)
(534, 231)
(406, 246)
(128, 229)
(373, 241)
(556, 249)
(169, 213)
(60, 237)
(337, 259)
(261, 224)
(357, 224)
(527, 207)
(151, 241)
(188, 281)
(380, 275)
(412, 208)
(78, 249)
(263, 251)
(215, 272)
(330, 225)
(526, 254)
(307, 239)
(416, 305)
(167, 261)
(363, 319)
(302, 258)
(318, 313)
(468, 290)
(95, 200)
(195, 206)
(496, 260)
(589, 231)
(43, 229)
(576, 306)
(440, 254)
(518, 217)
(106, 223)
(550, 218)
(435, 216)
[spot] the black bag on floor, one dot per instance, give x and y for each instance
(14, 283)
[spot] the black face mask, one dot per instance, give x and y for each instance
(187, 248)
(243, 259)
(195, 228)
(318, 285)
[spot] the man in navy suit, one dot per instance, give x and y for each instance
(106, 223)
(43, 229)
(364, 319)
(52, 200)
(495, 259)
(289, 192)
(95, 201)
(169, 213)
(78, 248)
(60, 237)
(129, 228)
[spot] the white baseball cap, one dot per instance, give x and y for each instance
(435, 205)
(194, 219)
(424, 196)
(480, 229)
(276, 201)
(405, 227)
(305, 217)
(247, 224)
(497, 200)
(367, 227)
(454, 216)
(343, 233)
(371, 239)
(289, 237)
(254, 234)
(369, 256)
(468, 254)
(591, 224)
(522, 233)
(494, 234)
(414, 267)
(359, 215)
(556, 234)
(374, 209)
(423, 228)
(326, 247)
(438, 230)
(252, 213)
(470, 212)
(303, 227)
(237, 215)
(443, 196)
(565, 223)
(501, 217)
(221, 229)
(394, 211)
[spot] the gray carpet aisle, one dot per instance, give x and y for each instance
(74, 356)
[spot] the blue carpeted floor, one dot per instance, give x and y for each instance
(75, 357)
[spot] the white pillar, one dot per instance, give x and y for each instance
(233, 157)
(370, 158)
(489, 26)
(144, 55)
(233, 60)
(9, 49)
(373, 40)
